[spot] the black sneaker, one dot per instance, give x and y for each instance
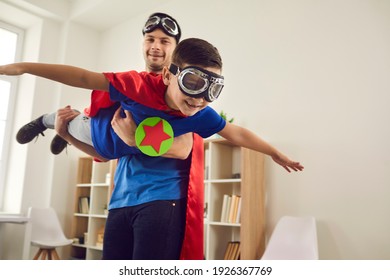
(31, 130)
(58, 144)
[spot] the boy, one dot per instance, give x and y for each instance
(181, 94)
(183, 88)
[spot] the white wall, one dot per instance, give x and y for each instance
(309, 76)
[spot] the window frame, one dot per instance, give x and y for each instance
(11, 108)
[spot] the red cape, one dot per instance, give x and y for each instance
(193, 239)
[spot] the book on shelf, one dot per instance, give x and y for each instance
(232, 251)
(231, 209)
(225, 207)
(236, 251)
(238, 214)
(228, 251)
(84, 204)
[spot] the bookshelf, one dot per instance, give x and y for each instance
(234, 172)
(93, 191)
(229, 171)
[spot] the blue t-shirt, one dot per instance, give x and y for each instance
(107, 143)
(140, 179)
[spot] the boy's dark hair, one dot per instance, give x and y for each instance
(162, 15)
(197, 52)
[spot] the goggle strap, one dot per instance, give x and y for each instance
(173, 69)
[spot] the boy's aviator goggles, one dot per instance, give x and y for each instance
(197, 82)
(166, 23)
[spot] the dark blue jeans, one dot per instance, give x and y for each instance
(150, 231)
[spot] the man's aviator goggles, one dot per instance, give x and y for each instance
(166, 23)
(197, 82)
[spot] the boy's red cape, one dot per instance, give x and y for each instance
(192, 248)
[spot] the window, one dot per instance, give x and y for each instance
(10, 47)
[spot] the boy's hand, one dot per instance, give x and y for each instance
(11, 69)
(124, 127)
(286, 163)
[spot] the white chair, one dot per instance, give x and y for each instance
(294, 238)
(46, 233)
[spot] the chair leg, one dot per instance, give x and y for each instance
(44, 254)
(38, 254)
(50, 254)
(55, 255)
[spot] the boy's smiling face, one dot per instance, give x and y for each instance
(177, 100)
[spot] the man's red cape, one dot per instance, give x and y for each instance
(192, 248)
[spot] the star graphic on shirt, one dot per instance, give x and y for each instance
(154, 136)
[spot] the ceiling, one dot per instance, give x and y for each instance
(103, 14)
(97, 14)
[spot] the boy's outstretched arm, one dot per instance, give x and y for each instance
(246, 138)
(68, 75)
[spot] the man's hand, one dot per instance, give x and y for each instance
(124, 127)
(182, 146)
(64, 116)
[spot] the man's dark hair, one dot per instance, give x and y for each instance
(162, 15)
(197, 52)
